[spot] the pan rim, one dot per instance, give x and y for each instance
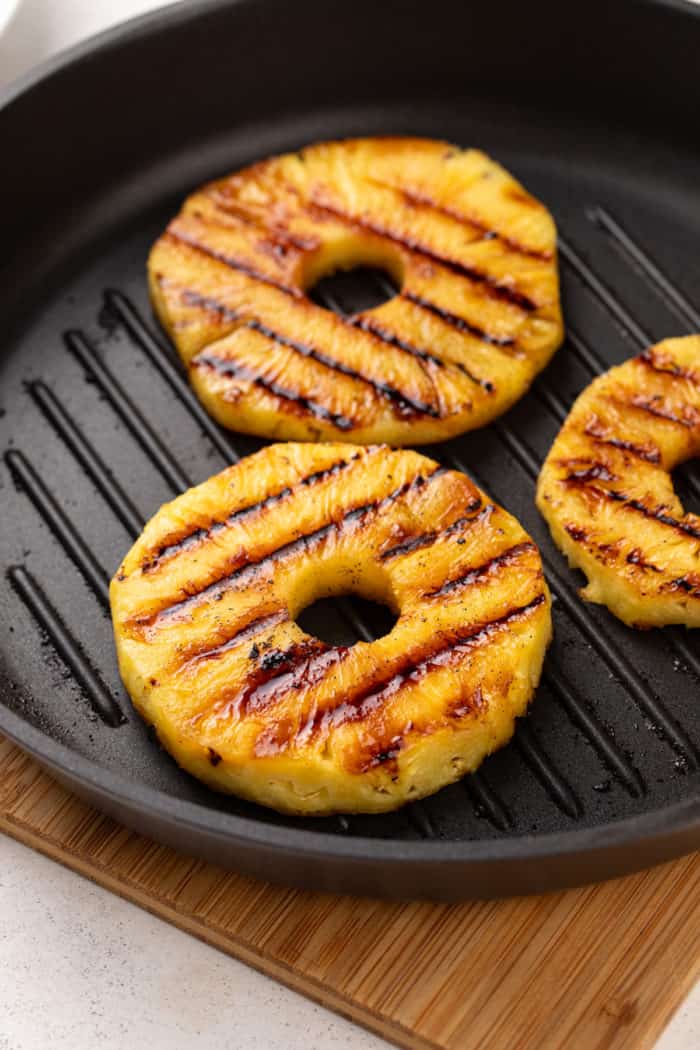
(666, 824)
(181, 11)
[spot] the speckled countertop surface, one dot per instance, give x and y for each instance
(81, 968)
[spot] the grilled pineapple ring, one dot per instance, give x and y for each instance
(204, 608)
(607, 494)
(477, 315)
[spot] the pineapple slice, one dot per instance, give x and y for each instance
(607, 494)
(477, 315)
(204, 607)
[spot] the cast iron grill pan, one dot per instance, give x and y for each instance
(99, 426)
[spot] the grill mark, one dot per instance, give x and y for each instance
(594, 472)
(479, 572)
(232, 262)
(658, 514)
(455, 321)
(370, 696)
(385, 336)
(636, 557)
(227, 314)
(652, 513)
(302, 666)
(271, 241)
(406, 405)
(656, 407)
(206, 302)
(416, 667)
(689, 584)
(382, 754)
(607, 551)
(479, 512)
(377, 330)
(201, 654)
(215, 590)
(424, 201)
(188, 541)
(577, 533)
(649, 452)
(492, 286)
(423, 357)
(229, 368)
(664, 363)
(379, 750)
(640, 451)
(414, 544)
(224, 203)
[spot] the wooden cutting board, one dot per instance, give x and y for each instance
(602, 967)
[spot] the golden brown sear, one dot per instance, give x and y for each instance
(204, 611)
(476, 317)
(607, 493)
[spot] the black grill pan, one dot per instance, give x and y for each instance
(596, 108)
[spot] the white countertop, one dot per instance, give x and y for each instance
(81, 968)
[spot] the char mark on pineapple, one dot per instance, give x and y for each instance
(688, 584)
(443, 651)
(492, 287)
(246, 567)
(492, 567)
(658, 407)
(476, 511)
(657, 514)
(365, 324)
(455, 321)
(664, 364)
(369, 697)
(419, 200)
(226, 641)
(289, 399)
(189, 539)
(587, 474)
(233, 263)
(636, 557)
(649, 452)
(403, 403)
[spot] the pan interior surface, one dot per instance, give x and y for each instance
(98, 428)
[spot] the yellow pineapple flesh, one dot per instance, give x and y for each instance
(607, 493)
(476, 317)
(204, 609)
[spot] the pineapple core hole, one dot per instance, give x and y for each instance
(351, 272)
(333, 622)
(348, 292)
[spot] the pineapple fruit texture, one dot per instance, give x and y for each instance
(204, 610)
(607, 493)
(472, 253)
